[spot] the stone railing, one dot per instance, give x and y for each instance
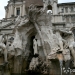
(58, 19)
(63, 18)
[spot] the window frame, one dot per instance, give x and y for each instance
(66, 9)
(62, 10)
(72, 10)
(18, 10)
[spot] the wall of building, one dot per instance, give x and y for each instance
(62, 14)
(66, 9)
(11, 9)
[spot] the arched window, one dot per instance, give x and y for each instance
(49, 7)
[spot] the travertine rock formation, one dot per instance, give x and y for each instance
(36, 46)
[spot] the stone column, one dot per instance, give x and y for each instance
(24, 11)
(9, 13)
(5, 12)
(15, 11)
(54, 7)
(12, 9)
(21, 10)
(35, 46)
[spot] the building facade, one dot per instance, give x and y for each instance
(63, 14)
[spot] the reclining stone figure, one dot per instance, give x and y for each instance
(68, 45)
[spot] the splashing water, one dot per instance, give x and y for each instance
(61, 65)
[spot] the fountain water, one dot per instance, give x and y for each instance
(60, 58)
(61, 65)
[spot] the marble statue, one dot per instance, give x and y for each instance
(3, 48)
(64, 47)
(60, 40)
(35, 46)
(71, 44)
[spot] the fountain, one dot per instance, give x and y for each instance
(34, 39)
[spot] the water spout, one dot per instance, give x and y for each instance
(61, 65)
(60, 58)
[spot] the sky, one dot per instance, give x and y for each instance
(4, 3)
